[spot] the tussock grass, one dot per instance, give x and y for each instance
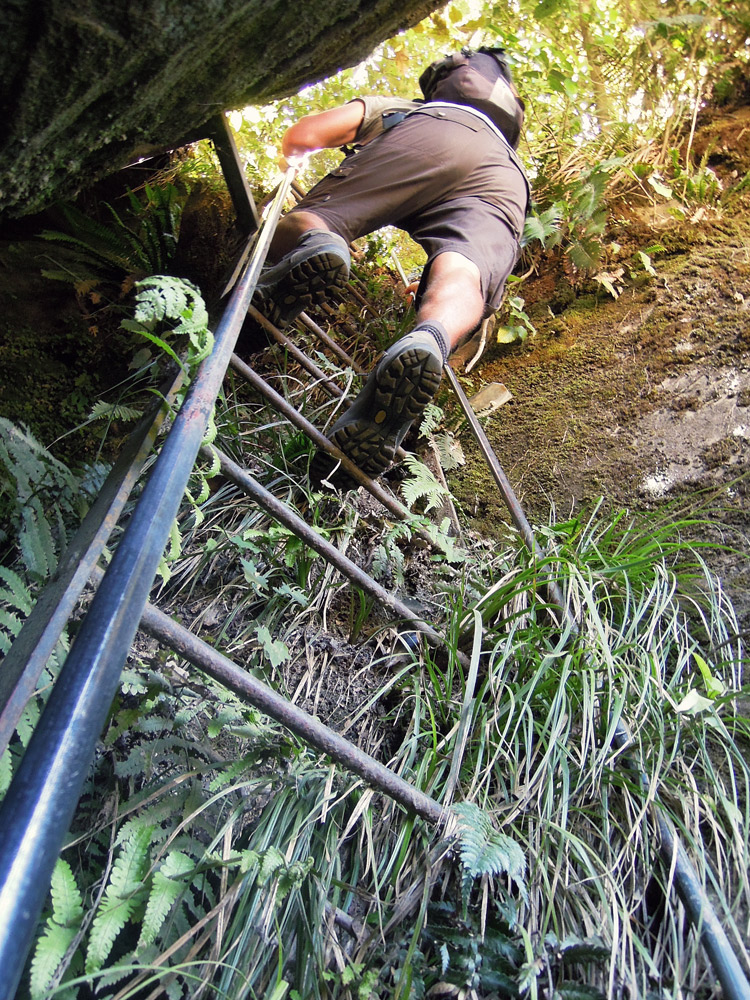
(648, 640)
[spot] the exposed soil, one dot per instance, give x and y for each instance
(643, 400)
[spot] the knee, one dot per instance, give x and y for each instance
(456, 280)
(290, 230)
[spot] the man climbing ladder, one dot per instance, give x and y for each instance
(444, 170)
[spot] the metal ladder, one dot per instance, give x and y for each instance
(41, 801)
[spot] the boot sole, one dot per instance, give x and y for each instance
(402, 390)
(309, 283)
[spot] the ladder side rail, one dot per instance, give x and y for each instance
(41, 800)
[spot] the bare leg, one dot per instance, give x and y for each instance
(453, 296)
(289, 232)
(408, 375)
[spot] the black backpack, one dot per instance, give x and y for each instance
(482, 79)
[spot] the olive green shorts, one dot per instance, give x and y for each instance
(445, 178)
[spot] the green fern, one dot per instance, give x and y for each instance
(432, 417)
(101, 410)
(61, 928)
(10, 626)
(543, 226)
(123, 894)
(167, 885)
(163, 300)
(15, 593)
(39, 498)
(485, 851)
(450, 452)
(422, 484)
(37, 544)
(16, 603)
(91, 253)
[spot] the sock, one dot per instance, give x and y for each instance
(438, 331)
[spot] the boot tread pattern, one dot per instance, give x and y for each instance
(403, 388)
(308, 283)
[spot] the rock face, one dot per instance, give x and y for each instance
(89, 85)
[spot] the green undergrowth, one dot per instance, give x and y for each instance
(214, 852)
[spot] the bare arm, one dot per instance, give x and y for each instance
(332, 128)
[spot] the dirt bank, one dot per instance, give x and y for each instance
(643, 399)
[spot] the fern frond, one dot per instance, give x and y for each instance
(450, 452)
(422, 483)
(110, 919)
(90, 255)
(67, 902)
(114, 411)
(432, 417)
(166, 887)
(60, 929)
(50, 951)
(28, 720)
(6, 771)
(485, 851)
(162, 297)
(10, 621)
(36, 542)
(270, 861)
(584, 254)
(123, 894)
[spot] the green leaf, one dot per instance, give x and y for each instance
(584, 256)
(67, 902)
(36, 542)
(159, 343)
(18, 594)
(646, 261)
(166, 887)
(421, 484)
(450, 451)
(114, 411)
(485, 851)
(271, 860)
(257, 580)
(49, 952)
(6, 771)
(10, 622)
(576, 949)
(715, 687)
(659, 187)
(694, 703)
(111, 917)
(276, 650)
(122, 895)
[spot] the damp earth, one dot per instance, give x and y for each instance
(639, 402)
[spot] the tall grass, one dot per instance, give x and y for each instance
(375, 905)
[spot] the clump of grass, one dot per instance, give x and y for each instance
(525, 734)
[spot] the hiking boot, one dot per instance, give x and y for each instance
(318, 265)
(403, 382)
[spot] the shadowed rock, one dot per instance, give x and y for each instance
(90, 85)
